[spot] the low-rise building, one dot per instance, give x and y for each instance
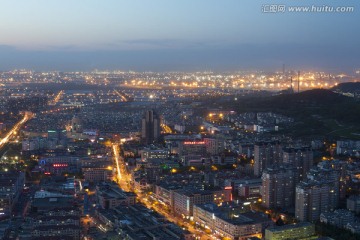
(97, 174)
(185, 199)
(70, 231)
(230, 222)
(250, 188)
(165, 193)
(110, 195)
(52, 215)
(353, 227)
(348, 147)
(60, 164)
(339, 218)
(148, 154)
(291, 231)
(137, 222)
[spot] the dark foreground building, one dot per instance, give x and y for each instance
(150, 127)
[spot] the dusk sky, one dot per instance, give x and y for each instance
(170, 35)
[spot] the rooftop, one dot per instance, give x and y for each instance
(290, 226)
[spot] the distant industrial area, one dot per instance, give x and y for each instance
(248, 80)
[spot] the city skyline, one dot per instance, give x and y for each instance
(186, 120)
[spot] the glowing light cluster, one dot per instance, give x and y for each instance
(60, 165)
(194, 143)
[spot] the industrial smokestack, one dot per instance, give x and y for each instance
(298, 81)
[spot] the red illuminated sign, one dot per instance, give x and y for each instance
(60, 165)
(194, 143)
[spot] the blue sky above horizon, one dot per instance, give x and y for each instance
(163, 35)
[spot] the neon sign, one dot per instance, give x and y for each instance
(60, 165)
(194, 143)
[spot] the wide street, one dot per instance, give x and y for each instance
(123, 179)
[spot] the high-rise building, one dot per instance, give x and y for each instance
(301, 158)
(335, 170)
(265, 155)
(313, 198)
(318, 194)
(331, 176)
(278, 186)
(150, 127)
(353, 203)
(11, 186)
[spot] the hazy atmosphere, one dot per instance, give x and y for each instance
(164, 35)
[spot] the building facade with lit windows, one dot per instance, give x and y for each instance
(165, 193)
(265, 155)
(150, 127)
(313, 198)
(185, 199)
(204, 215)
(303, 230)
(97, 169)
(97, 174)
(66, 231)
(11, 186)
(339, 218)
(301, 158)
(137, 222)
(60, 164)
(240, 227)
(223, 195)
(278, 186)
(250, 189)
(230, 221)
(52, 215)
(193, 147)
(214, 145)
(353, 203)
(110, 195)
(348, 147)
(148, 154)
